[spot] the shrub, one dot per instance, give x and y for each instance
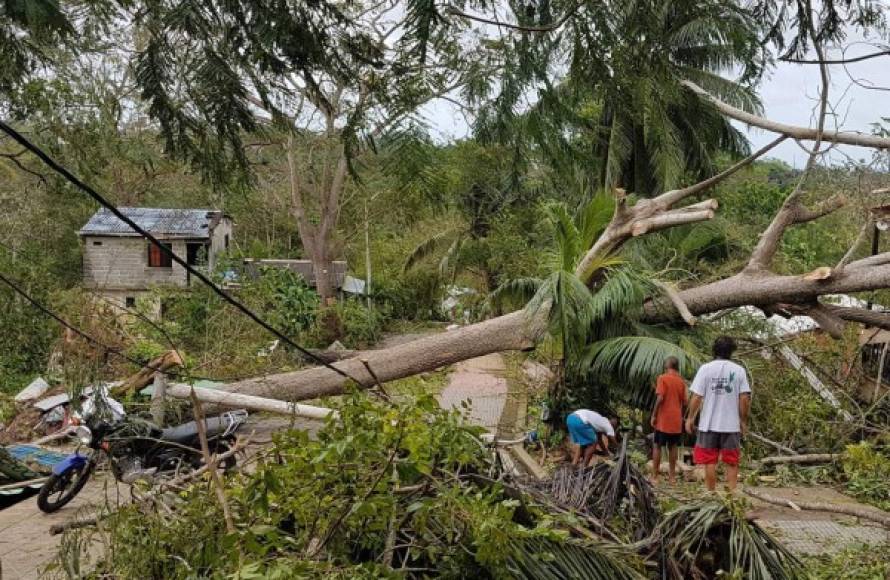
(868, 474)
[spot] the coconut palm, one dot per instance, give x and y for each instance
(621, 113)
(654, 130)
(597, 330)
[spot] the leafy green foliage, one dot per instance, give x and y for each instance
(854, 563)
(867, 471)
(326, 506)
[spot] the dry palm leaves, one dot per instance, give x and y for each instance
(606, 490)
(703, 538)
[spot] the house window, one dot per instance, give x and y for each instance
(157, 258)
(130, 301)
(196, 253)
(97, 243)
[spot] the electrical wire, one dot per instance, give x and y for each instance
(89, 338)
(55, 166)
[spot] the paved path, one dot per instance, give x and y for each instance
(810, 532)
(479, 384)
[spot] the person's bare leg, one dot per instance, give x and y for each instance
(588, 454)
(711, 476)
(673, 453)
(656, 462)
(576, 454)
(732, 477)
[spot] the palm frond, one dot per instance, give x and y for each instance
(593, 217)
(568, 238)
(622, 294)
(450, 257)
(704, 539)
(634, 359)
(515, 293)
(429, 247)
(543, 559)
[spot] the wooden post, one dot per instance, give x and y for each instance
(158, 396)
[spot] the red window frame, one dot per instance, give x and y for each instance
(157, 258)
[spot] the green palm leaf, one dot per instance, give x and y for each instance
(634, 359)
(543, 559)
(430, 246)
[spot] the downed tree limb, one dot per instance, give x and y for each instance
(211, 461)
(873, 514)
(801, 459)
(145, 376)
(793, 131)
(770, 442)
(672, 293)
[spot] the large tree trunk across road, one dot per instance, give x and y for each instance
(756, 285)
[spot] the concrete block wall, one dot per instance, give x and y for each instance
(121, 263)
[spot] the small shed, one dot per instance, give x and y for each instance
(120, 264)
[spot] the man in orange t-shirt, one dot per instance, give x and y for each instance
(667, 417)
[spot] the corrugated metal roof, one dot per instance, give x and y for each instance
(191, 223)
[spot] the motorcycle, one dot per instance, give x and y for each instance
(135, 449)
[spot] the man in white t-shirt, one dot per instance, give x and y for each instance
(721, 392)
(589, 430)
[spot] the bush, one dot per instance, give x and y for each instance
(867, 471)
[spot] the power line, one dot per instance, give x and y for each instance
(167, 250)
(110, 349)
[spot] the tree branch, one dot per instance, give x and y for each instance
(863, 233)
(669, 198)
(838, 60)
(802, 133)
(454, 11)
(672, 293)
(792, 212)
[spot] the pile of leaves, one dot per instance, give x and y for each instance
(407, 489)
(607, 490)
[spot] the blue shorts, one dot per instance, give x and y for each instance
(582, 434)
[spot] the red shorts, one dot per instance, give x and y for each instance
(706, 456)
(710, 445)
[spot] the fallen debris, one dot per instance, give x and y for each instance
(35, 388)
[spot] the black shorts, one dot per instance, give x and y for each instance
(663, 439)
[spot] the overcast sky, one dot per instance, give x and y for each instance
(789, 94)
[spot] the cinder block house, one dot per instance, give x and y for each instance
(119, 264)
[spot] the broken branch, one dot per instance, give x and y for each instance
(802, 133)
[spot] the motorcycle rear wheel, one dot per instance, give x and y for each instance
(61, 489)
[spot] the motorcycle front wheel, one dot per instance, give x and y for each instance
(60, 489)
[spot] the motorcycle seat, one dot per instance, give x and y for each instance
(189, 431)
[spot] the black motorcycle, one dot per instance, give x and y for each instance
(136, 450)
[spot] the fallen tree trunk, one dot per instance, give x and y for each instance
(521, 330)
(874, 515)
(515, 331)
